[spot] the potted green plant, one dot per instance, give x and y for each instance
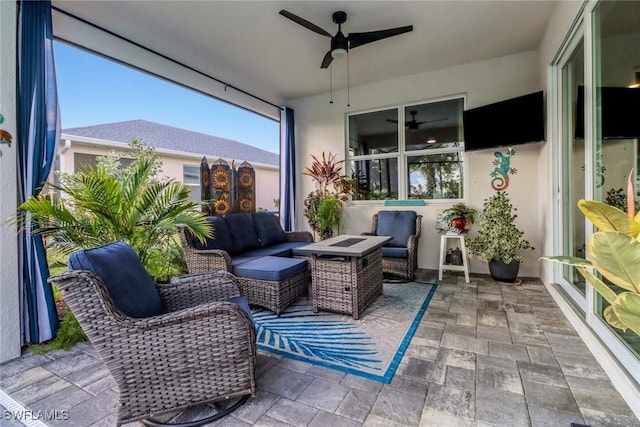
(614, 252)
(459, 216)
(323, 206)
(499, 240)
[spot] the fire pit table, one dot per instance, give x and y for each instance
(346, 272)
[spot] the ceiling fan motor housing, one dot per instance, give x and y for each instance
(339, 17)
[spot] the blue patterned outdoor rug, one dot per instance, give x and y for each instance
(371, 347)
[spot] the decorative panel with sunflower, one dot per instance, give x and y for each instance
(221, 187)
(246, 187)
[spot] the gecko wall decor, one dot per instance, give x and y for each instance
(500, 175)
(5, 137)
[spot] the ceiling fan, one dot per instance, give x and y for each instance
(340, 44)
(413, 124)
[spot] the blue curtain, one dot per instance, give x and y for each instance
(287, 170)
(37, 135)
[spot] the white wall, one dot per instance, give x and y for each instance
(320, 126)
(9, 294)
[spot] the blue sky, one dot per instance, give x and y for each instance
(93, 90)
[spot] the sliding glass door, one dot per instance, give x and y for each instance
(597, 124)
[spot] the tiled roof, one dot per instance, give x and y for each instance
(161, 136)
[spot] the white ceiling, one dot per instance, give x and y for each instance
(248, 44)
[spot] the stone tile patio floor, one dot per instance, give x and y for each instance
(484, 355)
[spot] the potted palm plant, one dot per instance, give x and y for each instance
(499, 240)
(460, 216)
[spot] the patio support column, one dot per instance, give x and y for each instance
(9, 288)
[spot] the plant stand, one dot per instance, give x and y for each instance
(444, 237)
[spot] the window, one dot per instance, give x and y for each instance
(85, 162)
(426, 151)
(191, 178)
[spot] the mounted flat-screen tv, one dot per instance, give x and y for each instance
(620, 107)
(511, 122)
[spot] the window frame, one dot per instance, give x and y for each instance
(402, 155)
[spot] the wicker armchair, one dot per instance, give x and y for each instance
(199, 349)
(400, 255)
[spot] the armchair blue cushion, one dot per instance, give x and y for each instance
(242, 231)
(268, 228)
(221, 236)
(132, 289)
(397, 224)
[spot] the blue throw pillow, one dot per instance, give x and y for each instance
(242, 231)
(132, 289)
(221, 236)
(268, 228)
(397, 224)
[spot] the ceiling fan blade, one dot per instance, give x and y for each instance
(308, 25)
(392, 121)
(326, 61)
(431, 121)
(358, 39)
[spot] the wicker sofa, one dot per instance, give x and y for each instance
(253, 247)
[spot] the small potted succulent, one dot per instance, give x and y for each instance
(459, 216)
(499, 240)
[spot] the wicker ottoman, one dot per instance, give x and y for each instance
(273, 282)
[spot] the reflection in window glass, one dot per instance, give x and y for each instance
(574, 165)
(191, 177)
(434, 125)
(191, 174)
(380, 141)
(373, 133)
(375, 179)
(435, 176)
(616, 143)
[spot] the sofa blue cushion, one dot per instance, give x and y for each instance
(271, 268)
(132, 289)
(221, 236)
(397, 224)
(281, 249)
(271, 251)
(243, 304)
(237, 260)
(268, 228)
(390, 252)
(242, 231)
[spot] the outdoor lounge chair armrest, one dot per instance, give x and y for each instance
(219, 312)
(412, 242)
(206, 260)
(194, 289)
(299, 236)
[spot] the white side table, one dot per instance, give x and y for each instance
(444, 238)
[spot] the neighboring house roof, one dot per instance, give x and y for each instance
(168, 137)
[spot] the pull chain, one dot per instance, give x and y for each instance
(330, 85)
(348, 97)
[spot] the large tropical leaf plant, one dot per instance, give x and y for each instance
(323, 206)
(614, 252)
(108, 202)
